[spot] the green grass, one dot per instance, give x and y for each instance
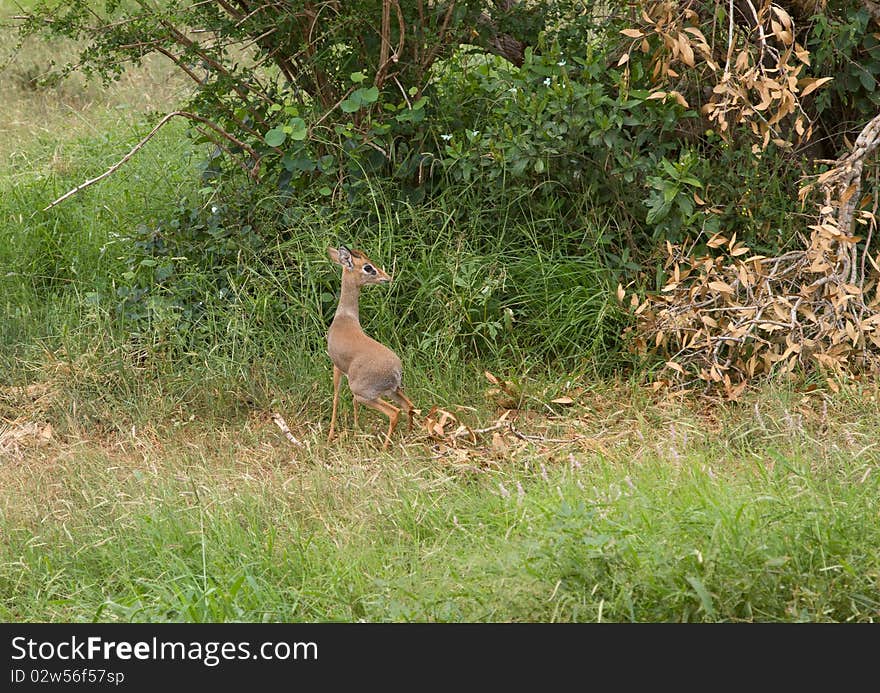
(719, 518)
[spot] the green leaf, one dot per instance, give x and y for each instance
(292, 162)
(539, 166)
(667, 166)
(298, 129)
(369, 95)
(326, 162)
(349, 106)
(275, 137)
(325, 191)
(358, 77)
(164, 272)
(703, 594)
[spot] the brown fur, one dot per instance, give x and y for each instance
(372, 369)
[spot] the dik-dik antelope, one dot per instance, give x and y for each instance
(372, 369)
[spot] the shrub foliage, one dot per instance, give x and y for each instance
(671, 122)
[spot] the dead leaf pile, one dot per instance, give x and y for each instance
(724, 320)
(538, 431)
(16, 438)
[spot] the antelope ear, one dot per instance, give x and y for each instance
(344, 257)
(341, 256)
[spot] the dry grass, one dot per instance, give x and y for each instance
(32, 111)
(625, 424)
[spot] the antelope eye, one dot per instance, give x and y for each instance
(369, 269)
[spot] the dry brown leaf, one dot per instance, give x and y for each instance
(686, 53)
(810, 84)
(723, 287)
(679, 99)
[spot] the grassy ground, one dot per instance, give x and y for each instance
(157, 487)
(626, 506)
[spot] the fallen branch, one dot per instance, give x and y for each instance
(282, 424)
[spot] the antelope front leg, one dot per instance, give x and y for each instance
(337, 376)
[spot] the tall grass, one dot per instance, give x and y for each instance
(464, 288)
(53, 137)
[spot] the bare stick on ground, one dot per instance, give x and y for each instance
(282, 424)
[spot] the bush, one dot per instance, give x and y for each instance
(552, 152)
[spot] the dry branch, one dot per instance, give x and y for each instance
(724, 320)
(844, 181)
(282, 424)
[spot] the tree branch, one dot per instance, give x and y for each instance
(139, 145)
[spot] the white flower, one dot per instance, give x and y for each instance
(213, 209)
(446, 137)
(547, 82)
(561, 63)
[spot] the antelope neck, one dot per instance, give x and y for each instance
(348, 300)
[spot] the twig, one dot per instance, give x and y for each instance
(729, 40)
(542, 439)
(386, 54)
(282, 424)
(428, 60)
(403, 91)
(385, 40)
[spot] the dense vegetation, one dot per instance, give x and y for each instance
(511, 163)
(556, 147)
